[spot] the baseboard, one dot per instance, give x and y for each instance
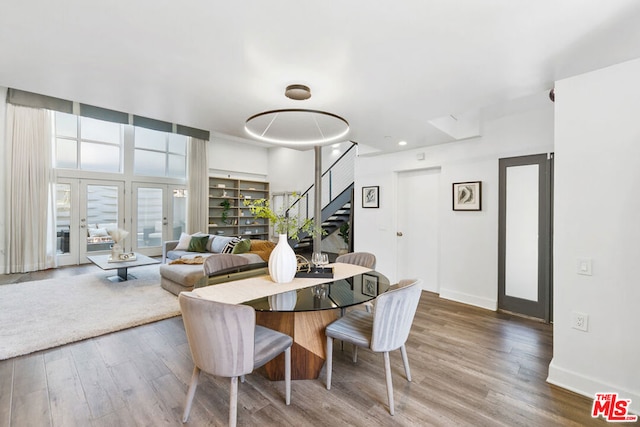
(475, 300)
(589, 386)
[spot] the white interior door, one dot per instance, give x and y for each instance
(417, 227)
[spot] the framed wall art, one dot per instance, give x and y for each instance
(467, 196)
(371, 197)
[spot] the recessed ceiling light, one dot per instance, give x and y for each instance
(402, 143)
(297, 92)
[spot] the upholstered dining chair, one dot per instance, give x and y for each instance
(364, 259)
(384, 330)
(225, 341)
(218, 262)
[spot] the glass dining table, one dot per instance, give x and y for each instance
(303, 313)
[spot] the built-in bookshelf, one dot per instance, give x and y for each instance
(227, 214)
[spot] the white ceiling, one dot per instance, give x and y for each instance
(388, 67)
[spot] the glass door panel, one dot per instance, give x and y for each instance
(67, 249)
(159, 214)
(179, 218)
(63, 218)
(150, 219)
(101, 212)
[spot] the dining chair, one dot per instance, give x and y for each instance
(217, 262)
(225, 341)
(384, 330)
(364, 259)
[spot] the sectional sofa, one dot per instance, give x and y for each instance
(183, 259)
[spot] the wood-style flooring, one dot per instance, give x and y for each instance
(470, 367)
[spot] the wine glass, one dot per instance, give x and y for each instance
(316, 259)
(324, 260)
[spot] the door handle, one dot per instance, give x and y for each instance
(399, 233)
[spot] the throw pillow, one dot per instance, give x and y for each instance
(228, 248)
(210, 243)
(98, 232)
(219, 243)
(242, 246)
(183, 243)
(198, 243)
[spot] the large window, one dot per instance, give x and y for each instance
(87, 144)
(160, 154)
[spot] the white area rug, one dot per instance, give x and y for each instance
(48, 313)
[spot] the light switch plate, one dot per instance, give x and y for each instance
(584, 267)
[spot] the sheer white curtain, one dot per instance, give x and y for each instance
(198, 186)
(30, 215)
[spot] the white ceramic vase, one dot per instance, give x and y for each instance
(282, 261)
(116, 251)
(283, 301)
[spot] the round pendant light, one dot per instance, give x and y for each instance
(297, 127)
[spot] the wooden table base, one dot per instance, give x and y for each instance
(309, 341)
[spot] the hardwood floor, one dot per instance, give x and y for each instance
(470, 367)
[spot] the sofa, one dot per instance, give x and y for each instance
(186, 261)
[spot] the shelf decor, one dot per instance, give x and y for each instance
(467, 196)
(226, 211)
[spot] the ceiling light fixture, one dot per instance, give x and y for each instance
(402, 143)
(296, 127)
(297, 92)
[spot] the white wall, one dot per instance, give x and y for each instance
(290, 170)
(293, 170)
(468, 239)
(237, 159)
(596, 217)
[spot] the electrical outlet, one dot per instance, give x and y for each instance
(580, 321)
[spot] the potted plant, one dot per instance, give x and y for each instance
(226, 205)
(344, 233)
(282, 261)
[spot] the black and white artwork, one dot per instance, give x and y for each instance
(371, 197)
(467, 196)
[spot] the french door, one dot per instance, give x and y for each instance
(525, 240)
(159, 213)
(85, 211)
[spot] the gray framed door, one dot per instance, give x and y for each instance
(525, 258)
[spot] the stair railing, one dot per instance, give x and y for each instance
(337, 178)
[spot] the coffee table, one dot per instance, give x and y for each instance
(102, 261)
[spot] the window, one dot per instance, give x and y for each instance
(160, 154)
(87, 144)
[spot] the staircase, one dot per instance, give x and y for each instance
(337, 198)
(333, 216)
